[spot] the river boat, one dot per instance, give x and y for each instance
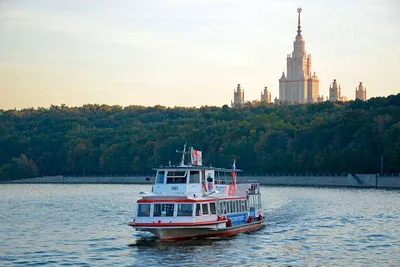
(192, 201)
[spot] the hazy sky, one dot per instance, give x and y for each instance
(188, 52)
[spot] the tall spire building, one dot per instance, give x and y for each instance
(361, 92)
(300, 85)
(334, 91)
(238, 97)
(266, 95)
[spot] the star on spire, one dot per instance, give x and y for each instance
(298, 21)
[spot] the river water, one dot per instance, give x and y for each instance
(86, 225)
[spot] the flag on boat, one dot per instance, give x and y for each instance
(196, 157)
(232, 187)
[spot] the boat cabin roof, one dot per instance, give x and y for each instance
(190, 167)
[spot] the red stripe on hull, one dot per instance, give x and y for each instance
(156, 224)
(227, 232)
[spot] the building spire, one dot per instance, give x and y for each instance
(298, 21)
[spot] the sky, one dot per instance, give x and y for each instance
(188, 52)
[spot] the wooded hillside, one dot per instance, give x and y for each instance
(329, 137)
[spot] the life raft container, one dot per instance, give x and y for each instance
(249, 219)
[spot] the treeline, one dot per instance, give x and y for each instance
(329, 137)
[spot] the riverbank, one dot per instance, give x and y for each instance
(348, 180)
(60, 179)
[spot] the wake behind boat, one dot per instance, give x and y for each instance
(194, 201)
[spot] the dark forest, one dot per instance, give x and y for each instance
(328, 137)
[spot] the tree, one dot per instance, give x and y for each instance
(19, 168)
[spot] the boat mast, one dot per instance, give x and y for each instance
(183, 154)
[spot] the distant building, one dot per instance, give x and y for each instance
(266, 96)
(334, 91)
(300, 85)
(238, 97)
(361, 92)
(276, 101)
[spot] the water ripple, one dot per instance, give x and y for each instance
(49, 225)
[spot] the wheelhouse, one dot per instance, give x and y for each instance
(178, 180)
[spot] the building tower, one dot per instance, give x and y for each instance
(334, 91)
(300, 85)
(266, 96)
(361, 92)
(238, 97)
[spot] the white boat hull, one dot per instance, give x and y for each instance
(184, 233)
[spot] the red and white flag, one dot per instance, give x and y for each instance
(196, 157)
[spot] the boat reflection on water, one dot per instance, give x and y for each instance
(154, 242)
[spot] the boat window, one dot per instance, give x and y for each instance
(227, 178)
(223, 177)
(185, 210)
(163, 210)
(176, 177)
(176, 173)
(231, 206)
(197, 209)
(212, 208)
(245, 205)
(205, 208)
(143, 210)
(216, 178)
(237, 206)
(219, 177)
(203, 176)
(160, 177)
(228, 207)
(194, 177)
(224, 208)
